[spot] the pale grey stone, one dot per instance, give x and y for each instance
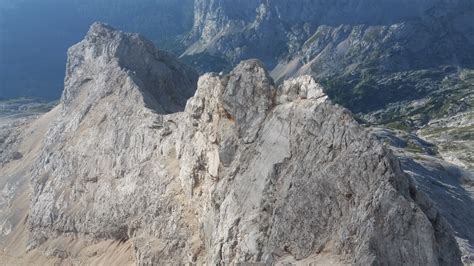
(248, 173)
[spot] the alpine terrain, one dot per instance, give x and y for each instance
(286, 133)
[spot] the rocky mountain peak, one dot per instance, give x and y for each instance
(303, 87)
(280, 153)
(100, 29)
(106, 53)
(250, 172)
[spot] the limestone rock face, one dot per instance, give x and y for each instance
(165, 83)
(97, 174)
(311, 182)
(248, 172)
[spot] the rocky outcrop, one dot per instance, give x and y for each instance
(105, 53)
(248, 172)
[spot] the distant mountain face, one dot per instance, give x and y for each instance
(371, 55)
(249, 28)
(35, 35)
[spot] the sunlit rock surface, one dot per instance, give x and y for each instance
(248, 172)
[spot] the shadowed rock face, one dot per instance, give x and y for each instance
(248, 172)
